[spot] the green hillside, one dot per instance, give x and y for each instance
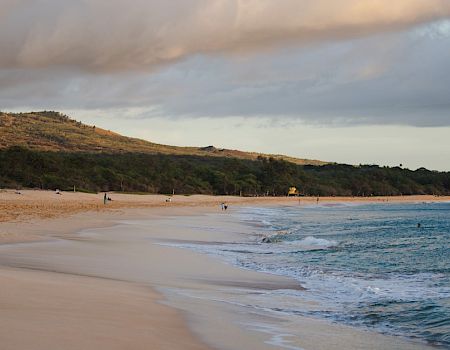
(47, 150)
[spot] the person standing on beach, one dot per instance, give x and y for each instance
(105, 198)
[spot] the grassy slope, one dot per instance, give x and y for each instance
(51, 131)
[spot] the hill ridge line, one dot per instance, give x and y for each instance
(55, 131)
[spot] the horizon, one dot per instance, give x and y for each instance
(359, 82)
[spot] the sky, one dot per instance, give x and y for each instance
(352, 81)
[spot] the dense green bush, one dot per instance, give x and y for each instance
(134, 172)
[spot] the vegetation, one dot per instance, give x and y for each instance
(53, 131)
(48, 150)
(159, 173)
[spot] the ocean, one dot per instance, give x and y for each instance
(366, 265)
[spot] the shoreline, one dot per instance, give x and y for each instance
(39, 285)
(33, 209)
(49, 308)
(85, 246)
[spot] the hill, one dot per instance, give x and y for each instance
(53, 131)
(48, 150)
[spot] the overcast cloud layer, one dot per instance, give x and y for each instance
(324, 62)
(110, 35)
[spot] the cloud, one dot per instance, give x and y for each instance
(218, 59)
(116, 35)
(396, 78)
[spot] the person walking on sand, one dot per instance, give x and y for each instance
(105, 198)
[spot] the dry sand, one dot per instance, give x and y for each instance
(100, 288)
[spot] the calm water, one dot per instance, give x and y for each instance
(365, 265)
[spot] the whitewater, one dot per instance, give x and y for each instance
(383, 267)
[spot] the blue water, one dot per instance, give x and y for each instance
(369, 266)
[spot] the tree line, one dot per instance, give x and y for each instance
(134, 172)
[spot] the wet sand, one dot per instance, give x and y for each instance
(112, 280)
(44, 310)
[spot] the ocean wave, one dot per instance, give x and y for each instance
(366, 266)
(311, 242)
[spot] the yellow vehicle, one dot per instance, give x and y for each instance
(293, 191)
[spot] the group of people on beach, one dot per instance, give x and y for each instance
(224, 206)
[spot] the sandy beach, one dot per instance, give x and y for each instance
(78, 274)
(31, 208)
